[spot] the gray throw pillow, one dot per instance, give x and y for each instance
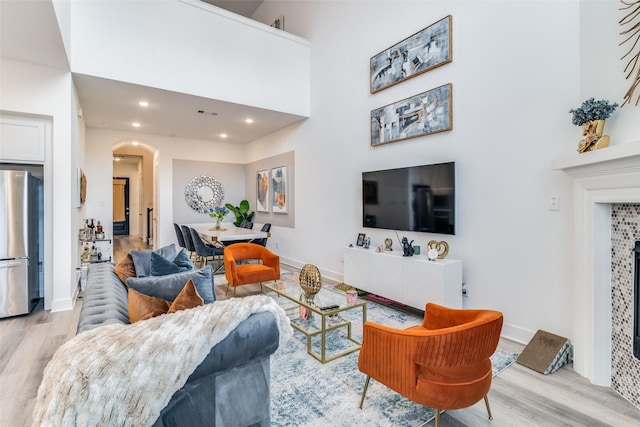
(168, 287)
(142, 259)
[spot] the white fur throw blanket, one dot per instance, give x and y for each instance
(124, 375)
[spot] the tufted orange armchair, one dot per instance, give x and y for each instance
(245, 273)
(443, 364)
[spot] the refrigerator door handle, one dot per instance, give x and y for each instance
(9, 264)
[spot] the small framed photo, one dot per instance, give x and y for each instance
(360, 241)
(262, 191)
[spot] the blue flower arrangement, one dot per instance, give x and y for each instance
(218, 212)
(591, 110)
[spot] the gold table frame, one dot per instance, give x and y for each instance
(324, 314)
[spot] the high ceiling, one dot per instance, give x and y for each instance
(29, 33)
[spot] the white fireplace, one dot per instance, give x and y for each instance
(601, 178)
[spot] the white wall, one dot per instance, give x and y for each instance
(514, 76)
(601, 70)
(191, 47)
(100, 143)
(46, 92)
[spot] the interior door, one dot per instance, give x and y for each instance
(120, 206)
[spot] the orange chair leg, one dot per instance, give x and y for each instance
(364, 392)
(486, 402)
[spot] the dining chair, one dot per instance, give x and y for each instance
(206, 252)
(188, 242)
(443, 364)
(179, 236)
(263, 242)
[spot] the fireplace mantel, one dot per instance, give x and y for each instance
(623, 159)
(600, 178)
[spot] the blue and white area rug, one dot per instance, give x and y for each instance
(307, 393)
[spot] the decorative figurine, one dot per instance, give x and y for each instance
(407, 249)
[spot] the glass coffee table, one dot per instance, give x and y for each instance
(312, 320)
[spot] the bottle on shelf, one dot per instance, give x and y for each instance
(85, 253)
(93, 256)
(99, 231)
(86, 230)
(92, 228)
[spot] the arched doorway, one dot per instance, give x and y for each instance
(133, 178)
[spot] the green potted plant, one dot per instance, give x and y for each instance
(591, 115)
(241, 212)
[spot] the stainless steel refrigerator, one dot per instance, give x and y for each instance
(20, 241)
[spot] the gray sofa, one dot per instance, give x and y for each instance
(229, 388)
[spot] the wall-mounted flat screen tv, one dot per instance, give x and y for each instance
(417, 198)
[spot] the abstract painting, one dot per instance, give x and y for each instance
(425, 50)
(262, 191)
(279, 190)
(423, 114)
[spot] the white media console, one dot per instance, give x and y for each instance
(413, 281)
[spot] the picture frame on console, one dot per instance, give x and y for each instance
(422, 114)
(262, 191)
(360, 241)
(423, 51)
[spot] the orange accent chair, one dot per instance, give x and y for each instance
(443, 364)
(242, 273)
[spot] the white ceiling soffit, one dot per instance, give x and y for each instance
(29, 32)
(242, 7)
(111, 104)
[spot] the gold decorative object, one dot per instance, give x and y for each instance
(634, 36)
(594, 139)
(442, 247)
(387, 244)
(310, 281)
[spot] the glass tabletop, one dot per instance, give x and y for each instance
(327, 297)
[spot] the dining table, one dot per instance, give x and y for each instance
(227, 233)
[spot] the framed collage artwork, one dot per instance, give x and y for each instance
(425, 50)
(423, 114)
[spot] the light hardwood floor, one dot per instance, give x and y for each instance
(518, 396)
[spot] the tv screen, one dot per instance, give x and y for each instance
(417, 198)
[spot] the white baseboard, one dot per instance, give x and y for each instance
(516, 333)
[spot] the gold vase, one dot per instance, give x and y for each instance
(593, 136)
(310, 281)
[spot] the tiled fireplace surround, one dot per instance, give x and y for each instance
(606, 217)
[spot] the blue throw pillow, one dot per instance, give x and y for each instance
(182, 260)
(161, 266)
(142, 259)
(168, 287)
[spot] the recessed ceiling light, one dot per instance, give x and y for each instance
(143, 103)
(223, 135)
(135, 124)
(134, 143)
(249, 120)
(116, 159)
